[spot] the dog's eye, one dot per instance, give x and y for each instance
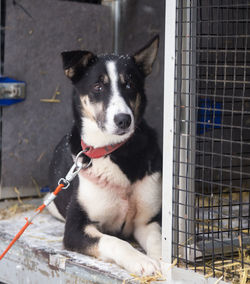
(128, 85)
(98, 88)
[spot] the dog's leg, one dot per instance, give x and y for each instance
(149, 237)
(146, 232)
(80, 234)
(83, 236)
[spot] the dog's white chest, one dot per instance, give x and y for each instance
(104, 192)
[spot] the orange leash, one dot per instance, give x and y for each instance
(29, 221)
(62, 184)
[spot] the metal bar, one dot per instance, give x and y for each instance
(177, 129)
(116, 11)
(186, 133)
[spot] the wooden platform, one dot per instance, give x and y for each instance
(39, 257)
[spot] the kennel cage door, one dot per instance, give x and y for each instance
(35, 35)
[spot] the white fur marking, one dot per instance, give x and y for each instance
(117, 104)
(112, 206)
(113, 249)
(147, 193)
(54, 211)
(95, 137)
(112, 73)
(149, 237)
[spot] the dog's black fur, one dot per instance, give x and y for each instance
(135, 160)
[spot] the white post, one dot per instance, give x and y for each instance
(168, 130)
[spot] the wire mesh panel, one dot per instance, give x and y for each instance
(211, 211)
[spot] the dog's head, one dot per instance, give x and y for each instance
(110, 95)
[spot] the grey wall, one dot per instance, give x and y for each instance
(140, 21)
(33, 45)
(36, 33)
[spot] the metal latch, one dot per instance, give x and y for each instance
(11, 91)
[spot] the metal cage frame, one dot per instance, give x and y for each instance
(206, 211)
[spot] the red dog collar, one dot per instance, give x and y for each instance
(95, 153)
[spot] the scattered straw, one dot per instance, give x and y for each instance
(225, 269)
(244, 276)
(40, 156)
(49, 101)
(238, 271)
(146, 279)
(18, 195)
(53, 99)
(36, 187)
(173, 264)
(15, 209)
(46, 239)
(218, 280)
(56, 240)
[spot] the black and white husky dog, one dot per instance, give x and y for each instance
(119, 194)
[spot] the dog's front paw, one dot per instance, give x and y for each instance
(141, 264)
(123, 254)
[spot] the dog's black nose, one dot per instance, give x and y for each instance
(122, 120)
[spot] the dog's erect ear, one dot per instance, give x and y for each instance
(75, 61)
(145, 57)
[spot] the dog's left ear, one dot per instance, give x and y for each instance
(74, 62)
(145, 57)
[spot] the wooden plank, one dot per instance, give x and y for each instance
(39, 257)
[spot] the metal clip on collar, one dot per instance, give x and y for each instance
(74, 171)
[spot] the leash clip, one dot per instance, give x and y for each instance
(74, 170)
